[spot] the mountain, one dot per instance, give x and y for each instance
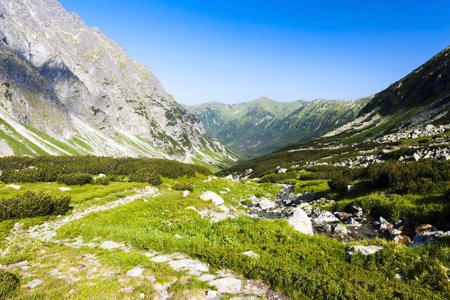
(410, 120)
(67, 89)
(264, 125)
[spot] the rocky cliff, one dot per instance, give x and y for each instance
(65, 88)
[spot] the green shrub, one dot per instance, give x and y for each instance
(339, 185)
(9, 283)
(183, 186)
(273, 178)
(153, 179)
(102, 180)
(32, 205)
(75, 179)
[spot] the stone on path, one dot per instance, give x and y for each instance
(227, 285)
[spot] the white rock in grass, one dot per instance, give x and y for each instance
(13, 186)
(109, 245)
(207, 277)
(301, 222)
(64, 189)
(250, 254)
(186, 193)
(227, 285)
(216, 199)
(194, 267)
(135, 272)
(364, 250)
(265, 203)
(282, 171)
(34, 283)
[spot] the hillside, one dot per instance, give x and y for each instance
(410, 119)
(67, 89)
(265, 125)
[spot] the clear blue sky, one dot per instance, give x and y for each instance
(234, 51)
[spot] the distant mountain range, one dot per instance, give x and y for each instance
(265, 125)
(410, 119)
(66, 89)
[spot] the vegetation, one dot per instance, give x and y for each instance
(315, 267)
(9, 284)
(75, 178)
(32, 204)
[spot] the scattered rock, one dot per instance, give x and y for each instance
(216, 199)
(193, 267)
(207, 277)
(266, 204)
(385, 225)
(342, 215)
(300, 221)
(325, 217)
(34, 283)
(351, 222)
(186, 193)
(64, 189)
(13, 186)
(110, 245)
(135, 272)
(251, 254)
(177, 236)
(340, 229)
(364, 250)
(128, 290)
(227, 285)
(282, 170)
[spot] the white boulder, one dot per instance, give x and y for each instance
(301, 222)
(216, 199)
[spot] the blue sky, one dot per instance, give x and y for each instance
(234, 51)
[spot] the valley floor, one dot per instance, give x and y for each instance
(131, 241)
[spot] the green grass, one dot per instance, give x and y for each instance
(419, 208)
(311, 186)
(301, 265)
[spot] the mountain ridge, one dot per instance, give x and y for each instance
(264, 125)
(70, 82)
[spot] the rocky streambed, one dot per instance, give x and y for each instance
(310, 215)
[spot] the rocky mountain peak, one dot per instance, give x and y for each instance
(52, 61)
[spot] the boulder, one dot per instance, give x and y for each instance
(227, 285)
(364, 250)
(342, 215)
(325, 217)
(265, 204)
(300, 221)
(385, 225)
(340, 229)
(216, 199)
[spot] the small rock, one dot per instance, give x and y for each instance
(424, 227)
(227, 285)
(340, 229)
(177, 236)
(34, 283)
(207, 277)
(135, 272)
(186, 193)
(265, 204)
(251, 254)
(325, 217)
(216, 199)
(282, 170)
(128, 290)
(64, 189)
(385, 225)
(342, 215)
(13, 186)
(364, 250)
(109, 245)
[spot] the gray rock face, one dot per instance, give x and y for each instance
(74, 84)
